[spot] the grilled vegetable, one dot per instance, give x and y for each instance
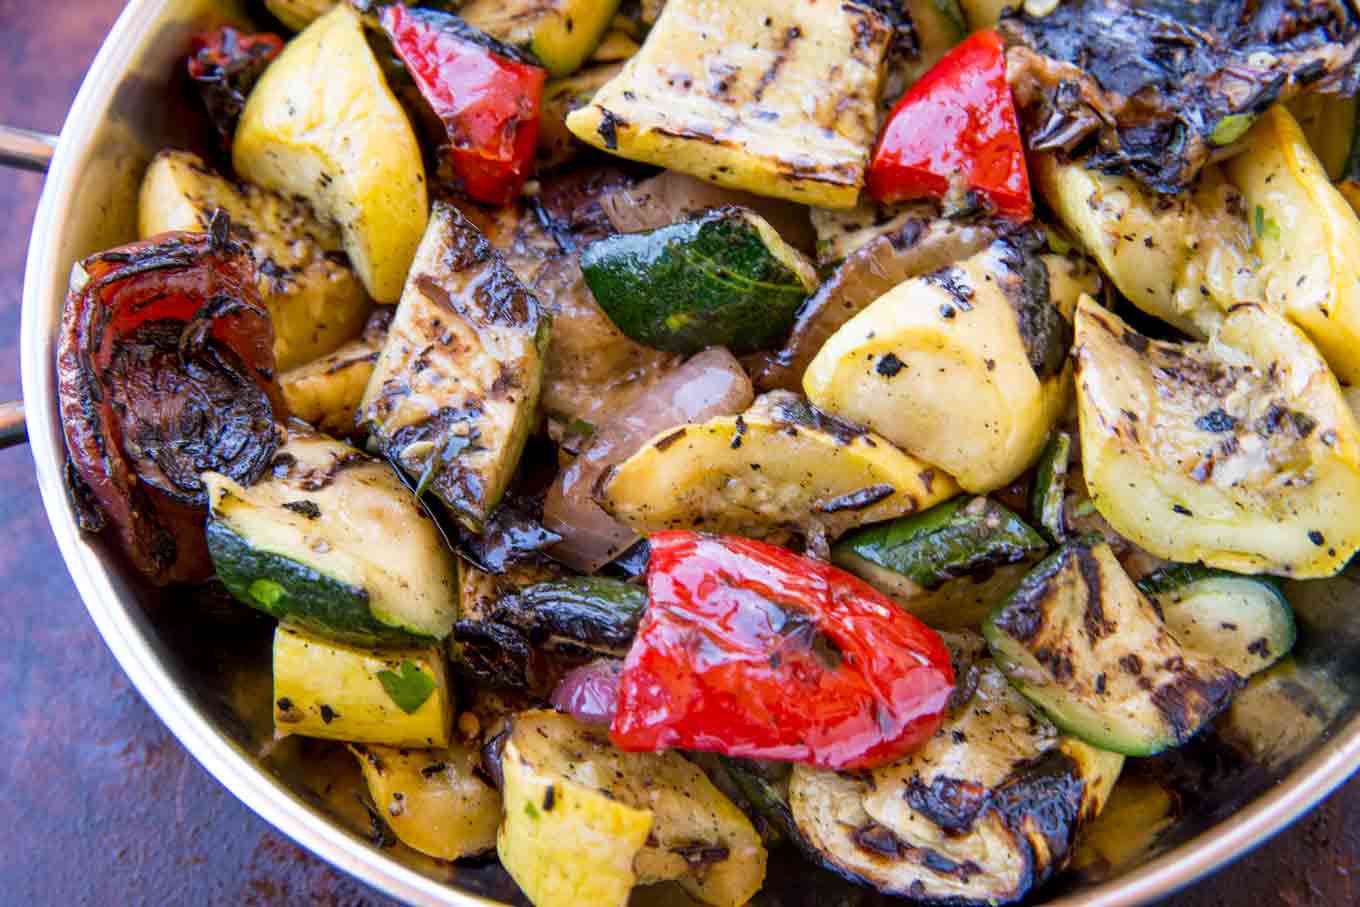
(1282, 713)
(949, 566)
(164, 368)
(1307, 235)
(983, 813)
(793, 115)
(1241, 453)
(341, 142)
(224, 65)
(327, 689)
(1182, 258)
(956, 130)
(562, 34)
(984, 333)
(298, 14)
(935, 26)
(453, 396)
(616, 46)
(877, 258)
(1093, 77)
(556, 144)
(435, 801)
(1242, 622)
(781, 464)
(1328, 124)
(1048, 496)
(333, 543)
(315, 302)
(722, 279)
(584, 822)
(326, 392)
(486, 95)
(1082, 642)
(749, 650)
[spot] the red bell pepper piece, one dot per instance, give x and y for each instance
(225, 65)
(487, 97)
(749, 650)
(957, 122)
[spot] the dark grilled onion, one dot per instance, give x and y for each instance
(166, 369)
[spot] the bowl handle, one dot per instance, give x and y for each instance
(26, 150)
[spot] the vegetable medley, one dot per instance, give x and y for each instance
(668, 431)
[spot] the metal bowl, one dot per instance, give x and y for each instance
(128, 108)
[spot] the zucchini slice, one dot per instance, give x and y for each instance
(332, 542)
(315, 302)
(793, 114)
(585, 822)
(1048, 495)
(435, 801)
(1241, 453)
(1242, 622)
(1307, 235)
(782, 464)
(949, 566)
(562, 34)
(724, 278)
(984, 812)
(455, 393)
(331, 690)
(965, 367)
(1081, 641)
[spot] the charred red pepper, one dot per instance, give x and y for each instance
(165, 369)
(224, 65)
(956, 129)
(486, 94)
(749, 650)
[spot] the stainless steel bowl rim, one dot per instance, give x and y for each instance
(44, 286)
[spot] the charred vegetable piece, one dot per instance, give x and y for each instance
(1048, 496)
(323, 125)
(435, 801)
(486, 95)
(965, 367)
(1240, 453)
(792, 116)
(1311, 264)
(453, 396)
(561, 34)
(584, 822)
(986, 811)
(330, 690)
(332, 542)
(1094, 77)
(914, 242)
(1082, 642)
(224, 66)
(556, 144)
(927, 31)
(165, 367)
(783, 464)
(1243, 622)
(749, 650)
(722, 279)
(326, 392)
(315, 302)
(955, 130)
(949, 566)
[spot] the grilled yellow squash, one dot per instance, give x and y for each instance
(771, 97)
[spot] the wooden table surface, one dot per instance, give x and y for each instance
(105, 807)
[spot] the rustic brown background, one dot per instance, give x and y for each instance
(102, 806)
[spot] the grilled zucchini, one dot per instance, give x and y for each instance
(965, 367)
(1240, 453)
(325, 689)
(326, 392)
(561, 34)
(332, 542)
(455, 393)
(585, 822)
(322, 125)
(1081, 641)
(782, 464)
(771, 97)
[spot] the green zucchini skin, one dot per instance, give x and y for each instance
(299, 595)
(1244, 622)
(1050, 487)
(721, 279)
(948, 541)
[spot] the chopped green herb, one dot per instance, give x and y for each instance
(1231, 128)
(1266, 228)
(530, 810)
(409, 689)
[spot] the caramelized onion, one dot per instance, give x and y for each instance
(710, 384)
(590, 693)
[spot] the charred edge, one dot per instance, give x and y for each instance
(950, 803)
(1047, 335)
(954, 282)
(857, 500)
(669, 440)
(1098, 626)
(306, 509)
(1188, 701)
(609, 128)
(1042, 799)
(798, 412)
(701, 854)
